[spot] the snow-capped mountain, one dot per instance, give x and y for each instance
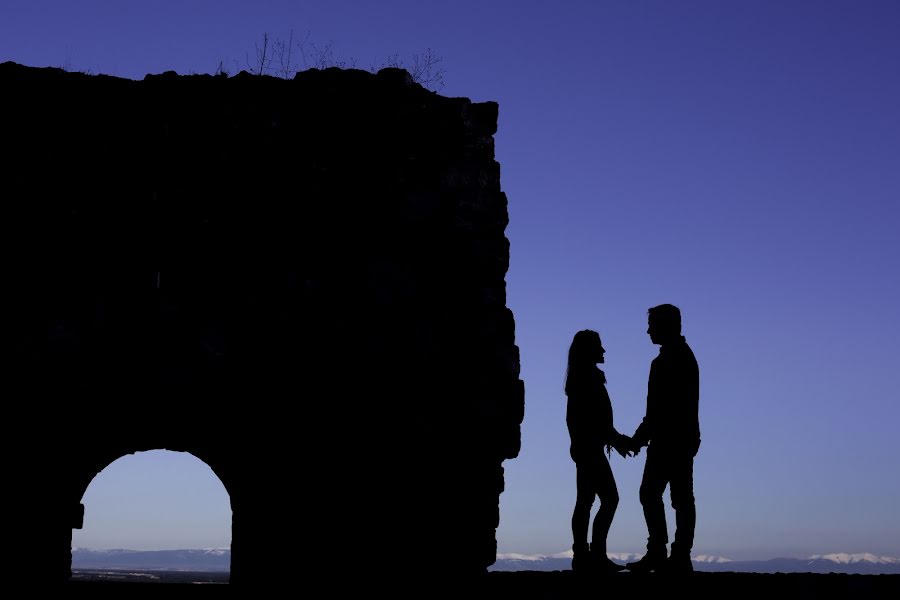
(210, 559)
(862, 564)
(849, 559)
(710, 559)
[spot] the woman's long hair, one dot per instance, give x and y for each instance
(579, 352)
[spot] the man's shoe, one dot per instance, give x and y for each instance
(652, 561)
(677, 564)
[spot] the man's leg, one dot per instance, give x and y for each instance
(652, 487)
(682, 489)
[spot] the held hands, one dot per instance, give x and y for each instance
(625, 446)
(633, 446)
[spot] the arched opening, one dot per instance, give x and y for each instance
(155, 516)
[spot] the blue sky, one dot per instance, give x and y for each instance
(738, 159)
(157, 500)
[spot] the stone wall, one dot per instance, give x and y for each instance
(300, 282)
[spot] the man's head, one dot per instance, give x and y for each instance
(663, 323)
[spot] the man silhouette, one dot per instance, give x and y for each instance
(671, 428)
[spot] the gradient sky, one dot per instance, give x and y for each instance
(739, 159)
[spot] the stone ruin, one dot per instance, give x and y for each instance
(300, 282)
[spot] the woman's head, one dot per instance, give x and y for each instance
(585, 352)
(586, 349)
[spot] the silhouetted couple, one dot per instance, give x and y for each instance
(670, 428)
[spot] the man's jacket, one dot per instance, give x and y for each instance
(672, 422)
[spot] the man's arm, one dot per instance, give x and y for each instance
(645, 430)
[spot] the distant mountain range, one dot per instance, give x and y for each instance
(216, 559)
(219, 559)
(857, 564)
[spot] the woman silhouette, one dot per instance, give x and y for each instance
(590, 420)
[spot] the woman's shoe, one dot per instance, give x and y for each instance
(603, 565)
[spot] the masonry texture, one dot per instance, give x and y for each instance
(299, 282)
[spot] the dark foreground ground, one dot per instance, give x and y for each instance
(525, 585)
(95, 576)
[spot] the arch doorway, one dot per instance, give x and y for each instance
(157, 515)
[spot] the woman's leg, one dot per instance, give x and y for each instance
(585, 481)
(609, 501)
